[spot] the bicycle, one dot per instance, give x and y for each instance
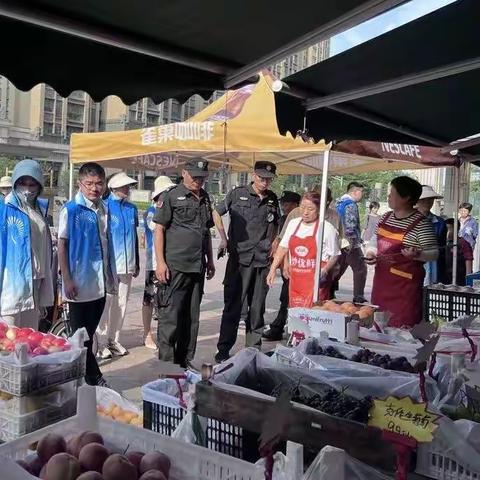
(62, 327)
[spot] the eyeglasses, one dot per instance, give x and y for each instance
(93, 185)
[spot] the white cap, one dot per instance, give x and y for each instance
(429, 192)
(121, 180)
(162, 183)
(6, 182)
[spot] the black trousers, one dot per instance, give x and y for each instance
(179, 316)
(280, 321)
(243, 284)
(88, 314)
(353, 258)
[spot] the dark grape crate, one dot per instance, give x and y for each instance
(449, 304)
(304, 425)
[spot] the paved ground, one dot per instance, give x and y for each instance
(129, 373)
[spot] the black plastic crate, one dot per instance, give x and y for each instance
(221, 437)
(449, 304)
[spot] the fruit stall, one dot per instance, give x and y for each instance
(387, 402)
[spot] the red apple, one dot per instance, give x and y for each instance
(8, 344)
(35, 338)
(59, 342)
(54, 349)
(24, 332)
(39, 351)
(11, 333)
(45, 343)
(3, 326)
(66, 347)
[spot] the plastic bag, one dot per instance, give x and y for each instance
(362, 379)
(112, 404)
(165, 391)
(107, 396)
(281, 467)
(192, 429)
(335, 464)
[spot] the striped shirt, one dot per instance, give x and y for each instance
(422, 236)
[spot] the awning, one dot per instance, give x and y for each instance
(236, 130)
(161, 49)
(416, 84)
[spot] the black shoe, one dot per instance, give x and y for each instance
(188, 365)
(360, 300)
(221, 357)
(272, 335)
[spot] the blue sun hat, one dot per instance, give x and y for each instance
(30, 168)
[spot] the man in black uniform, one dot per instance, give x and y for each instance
(183, 249)
(254, 215)
(274, 332)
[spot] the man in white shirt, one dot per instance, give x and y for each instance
(84, 257)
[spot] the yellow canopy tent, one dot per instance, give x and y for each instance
(237, 129)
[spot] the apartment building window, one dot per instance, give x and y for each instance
(71, 129)
(152, 119)
(75, 113)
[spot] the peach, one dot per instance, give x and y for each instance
(50, 445)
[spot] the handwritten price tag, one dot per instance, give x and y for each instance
(405, 417)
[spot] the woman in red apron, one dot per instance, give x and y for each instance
(405, 239)
(300, 242)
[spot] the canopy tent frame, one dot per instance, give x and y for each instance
(352, 18)
(392, 84)
(234, 75)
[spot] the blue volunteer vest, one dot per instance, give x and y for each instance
(16, 276)
(85, 253)
(123, 226)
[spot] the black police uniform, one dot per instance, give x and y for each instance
(187, 221)
(253, 227)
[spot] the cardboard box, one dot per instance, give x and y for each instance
(312, 321)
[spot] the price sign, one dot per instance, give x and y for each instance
(405, 417)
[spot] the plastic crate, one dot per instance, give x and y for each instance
(433, 463)
(15, 426)
(29, 378)
(449, 304)
(189, 462)
(52, 396)
(220, 437)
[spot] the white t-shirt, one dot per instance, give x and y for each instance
(330, 236)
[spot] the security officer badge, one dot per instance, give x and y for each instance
(270, 215)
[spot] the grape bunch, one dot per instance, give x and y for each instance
(338, 404)
(366, 356)
(399, 364)
(328, 352)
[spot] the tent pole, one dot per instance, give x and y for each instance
(70, 182)
(456, 186)
(321, 220)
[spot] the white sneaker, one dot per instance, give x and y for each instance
(116, 348)
(104, 353)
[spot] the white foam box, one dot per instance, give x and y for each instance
(312, 322)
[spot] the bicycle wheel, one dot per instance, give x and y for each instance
(59, 329)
